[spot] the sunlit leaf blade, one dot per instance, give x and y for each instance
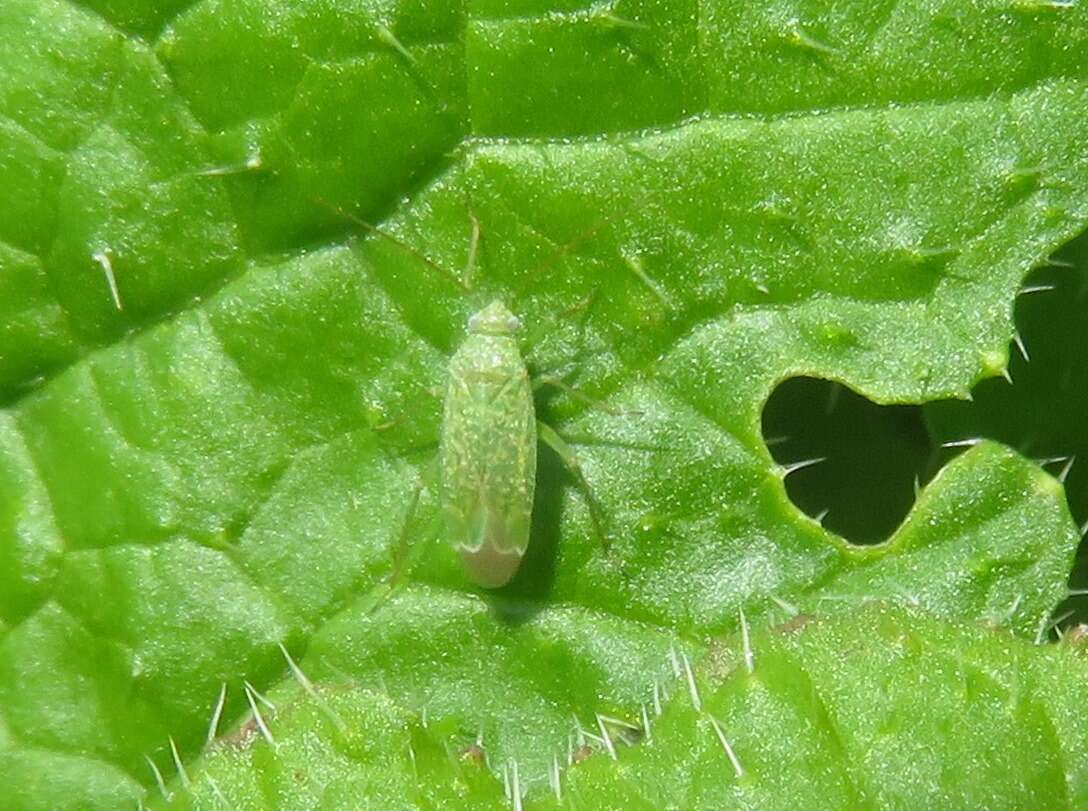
(221, 387)
(883, 708)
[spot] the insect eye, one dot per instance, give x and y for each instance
(513, 323)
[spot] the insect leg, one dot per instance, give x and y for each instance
(403, 547)
(570, 459)
(547, 380)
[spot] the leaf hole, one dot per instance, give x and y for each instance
(872, 456)
(1041, 412)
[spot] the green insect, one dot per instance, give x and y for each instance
(487, 452)
(488, 449)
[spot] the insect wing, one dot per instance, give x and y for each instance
(488, 457)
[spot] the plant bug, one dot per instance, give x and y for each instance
(489, 433)
(487, 450)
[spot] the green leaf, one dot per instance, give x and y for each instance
(222, 392)
(881, 707)
(886, 708)
(338, 746)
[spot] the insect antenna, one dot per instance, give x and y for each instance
(571, 245)
(400, 243)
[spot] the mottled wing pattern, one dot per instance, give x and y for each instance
(488, 456)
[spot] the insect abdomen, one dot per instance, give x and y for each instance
(488, 451)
